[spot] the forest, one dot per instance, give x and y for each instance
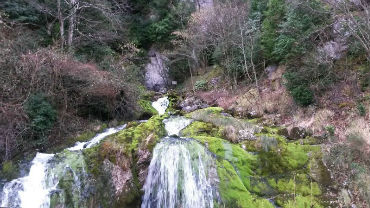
(71, 68)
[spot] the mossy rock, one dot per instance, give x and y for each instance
(233, 129)
(9, 170)
(198, 128)
(147, 109)
(232, 190)
(299, 201)
(121, 149)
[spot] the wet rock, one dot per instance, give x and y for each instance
(143, 163)
(121, 177)
(144, 156)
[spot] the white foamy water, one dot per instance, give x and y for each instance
(33, 190)
(161, 105)
(95, 140)
(180, 172)
(175, 124)
(30, 191)
(179, 176)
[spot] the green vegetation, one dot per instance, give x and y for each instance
(41, 113)
(280, 168)
(147, 107)
(200, 85)
(361, 109)
(274, 15)
(8, 170)
(330, 129)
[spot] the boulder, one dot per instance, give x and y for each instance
(283, 132)
(298, 133)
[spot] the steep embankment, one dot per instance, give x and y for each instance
(339, 119)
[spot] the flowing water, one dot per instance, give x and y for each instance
(35, 189)
(179, 175)
(161, 105)
(182, 173)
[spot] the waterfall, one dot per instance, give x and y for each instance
(161, 105)
(175, 124)
(29, 191)
(181, 173)
(34, 190)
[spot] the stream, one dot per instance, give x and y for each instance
(182, 173)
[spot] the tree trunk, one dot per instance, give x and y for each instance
(72, 22)
(61, 24)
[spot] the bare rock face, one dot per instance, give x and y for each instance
(144, 158)
(121, 177)
(335, 48)
(156, 72)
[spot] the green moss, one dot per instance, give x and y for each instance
(231, 126)
(231, 188)
(299, 184)
(9, 170)
(309, 141)
(146, 107)
(243, 161)
(260, 187)
(271, 130)
(205, 111)
(93, 160)
(281, 157)
(302, 202)
(198, 128)
(251, 145)
(125, 143)
(130, 138)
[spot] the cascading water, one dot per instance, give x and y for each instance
(161, 105)
(29, 191)
(35, 189)
(181, 173)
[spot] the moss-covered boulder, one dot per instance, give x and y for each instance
(288, 173)
(118, 165)
(233, 129)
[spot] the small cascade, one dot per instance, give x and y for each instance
(30, 191)
(161, 105)
(175, 124)
(96, 139)
(180, 175)
(46, 172)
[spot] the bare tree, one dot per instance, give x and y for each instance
(226, 28)
(356, 15)
(77, 15)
